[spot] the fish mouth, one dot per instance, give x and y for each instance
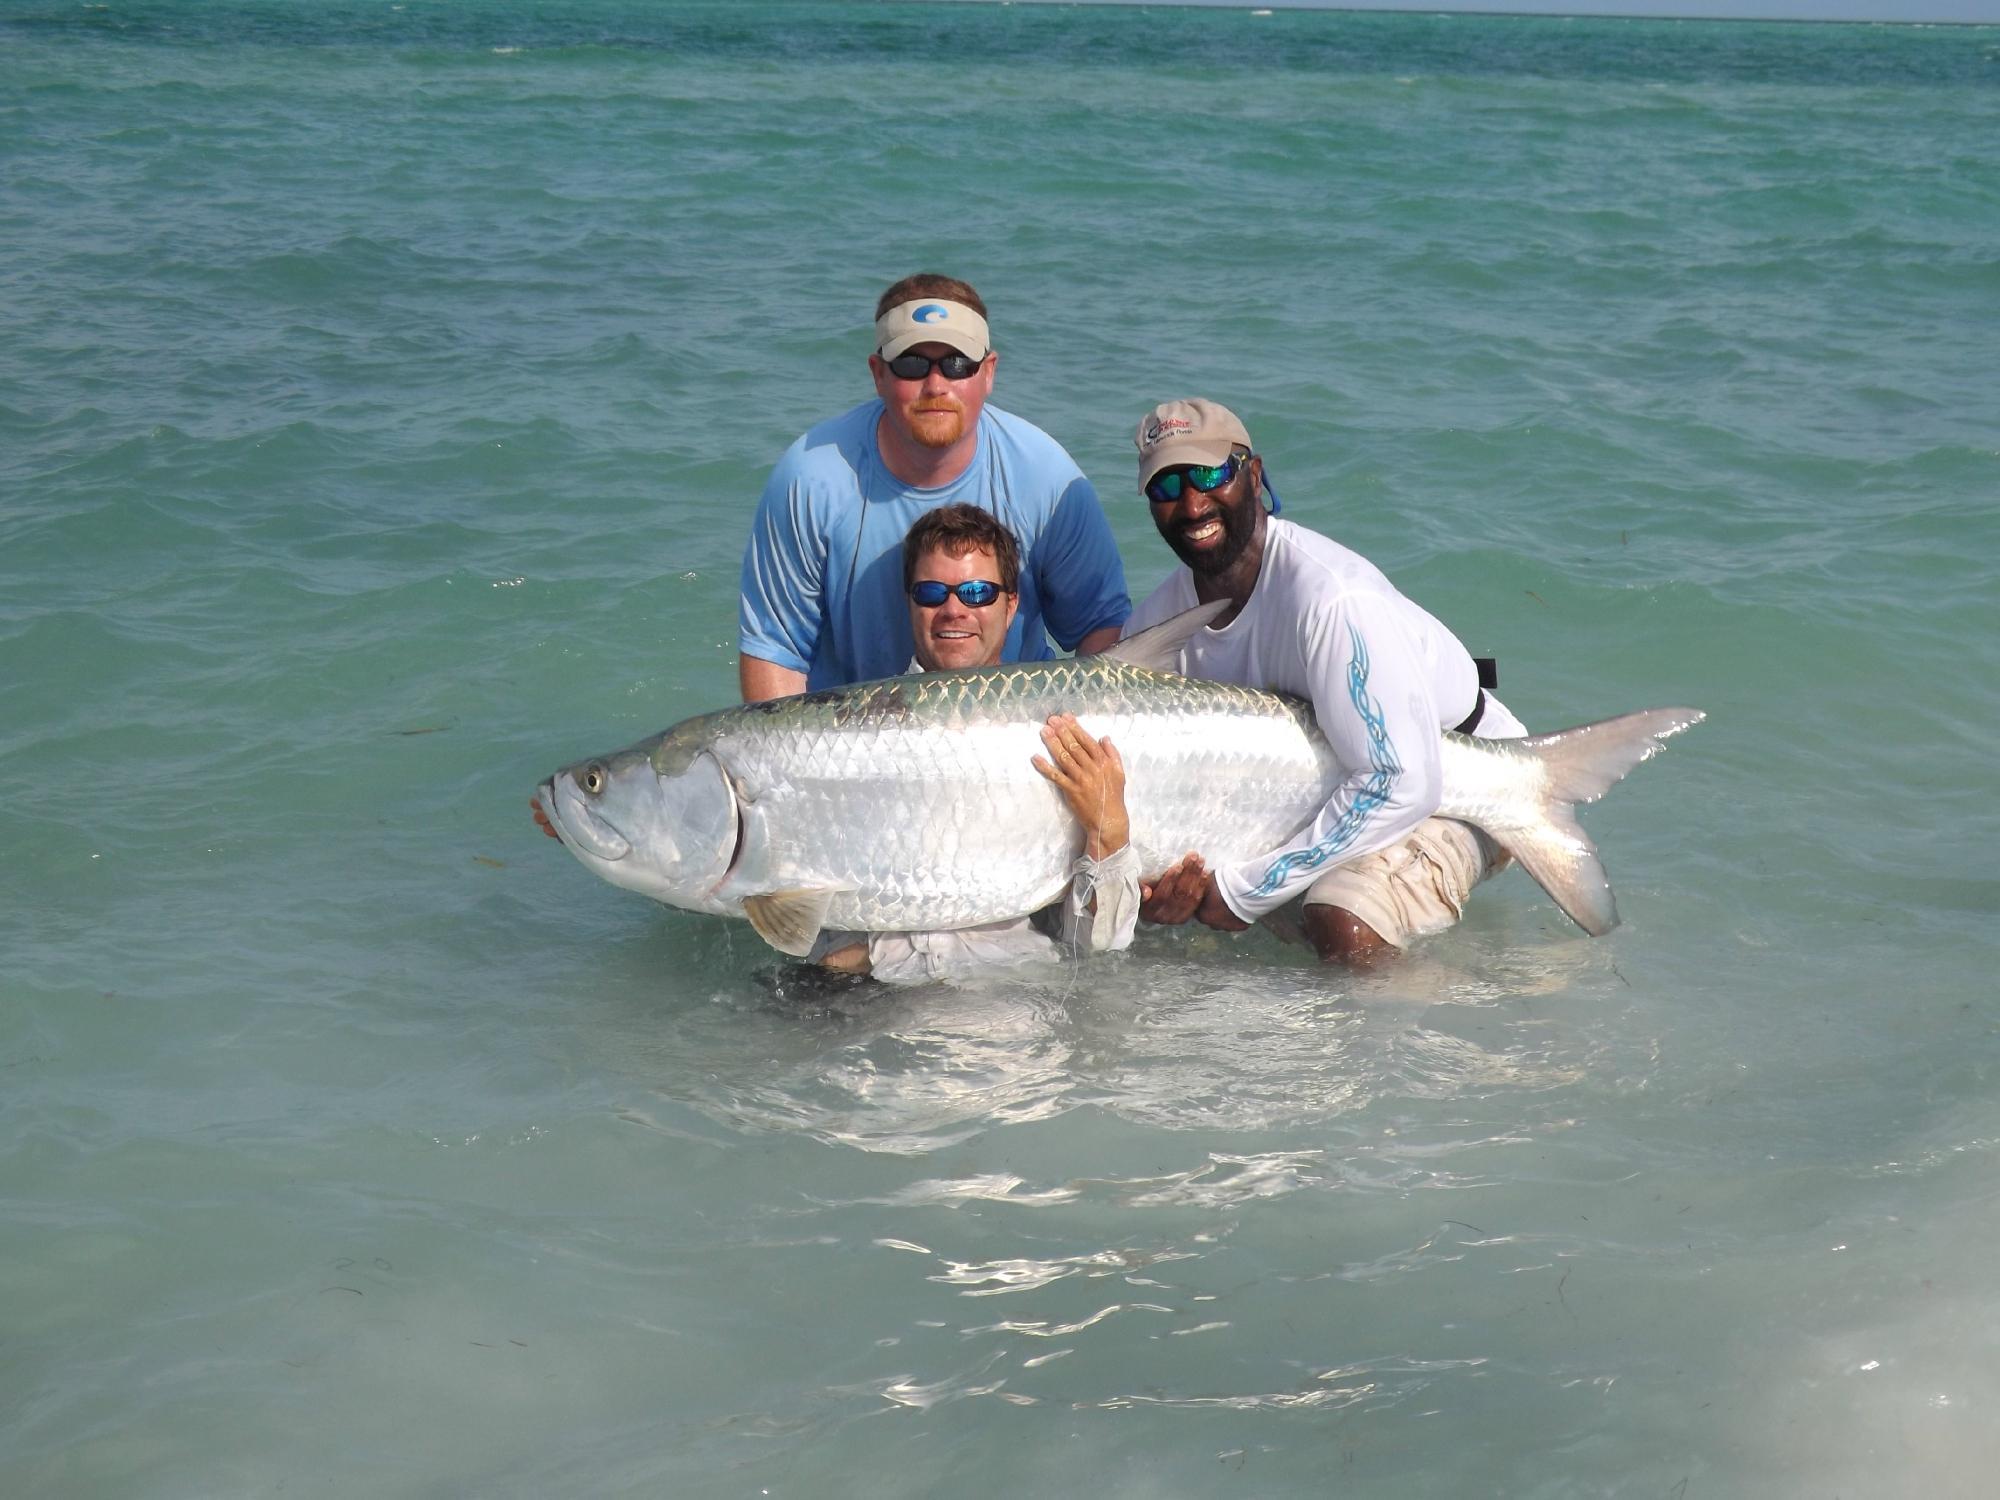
(567, 812)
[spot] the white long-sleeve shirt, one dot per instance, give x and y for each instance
(1384, 679)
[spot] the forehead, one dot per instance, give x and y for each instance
(952, 567)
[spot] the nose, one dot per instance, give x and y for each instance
(934, 383)
(1195, 503)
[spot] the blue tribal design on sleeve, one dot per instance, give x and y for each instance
(1383, 769)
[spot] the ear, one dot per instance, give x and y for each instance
(1013, 605)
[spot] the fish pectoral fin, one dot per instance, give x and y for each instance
(1159, 648)
(789, 921)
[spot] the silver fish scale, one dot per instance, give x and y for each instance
(1490, 782)
(916, 800)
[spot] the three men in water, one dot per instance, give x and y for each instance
(1307, 616)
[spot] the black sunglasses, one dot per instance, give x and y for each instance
(953, 366)
(974, 593)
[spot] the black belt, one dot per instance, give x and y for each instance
(1489, 677)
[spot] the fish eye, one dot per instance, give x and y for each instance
(593, 779)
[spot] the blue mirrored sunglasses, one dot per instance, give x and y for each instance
(974, 593)
(1167, 486)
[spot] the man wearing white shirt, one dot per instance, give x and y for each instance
(1310, 617)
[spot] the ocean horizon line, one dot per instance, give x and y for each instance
(1474, 12)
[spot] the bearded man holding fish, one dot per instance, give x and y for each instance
(1306, 616)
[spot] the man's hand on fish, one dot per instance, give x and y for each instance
(1090, 774)
(1176, 896)
(1186, 892)
(1215, 911)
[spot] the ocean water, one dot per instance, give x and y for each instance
(384, 391)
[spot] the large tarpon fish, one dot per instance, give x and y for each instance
(912, 804)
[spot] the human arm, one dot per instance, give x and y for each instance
(760, 679)
(1100, 912)
(1372, 700)
(1102, 906)
(1078, 573)
(921, 957)
(779, 602)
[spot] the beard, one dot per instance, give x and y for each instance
(937, 426)
(1239, 529)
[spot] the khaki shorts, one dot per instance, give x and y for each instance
(1414, 887)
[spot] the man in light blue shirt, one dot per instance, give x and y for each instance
(822, 594)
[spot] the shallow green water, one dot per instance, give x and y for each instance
(383, 393)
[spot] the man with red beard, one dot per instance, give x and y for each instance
(822, 596)
(1309, 617)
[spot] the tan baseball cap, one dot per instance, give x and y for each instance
(1199, 431)
(932, 320)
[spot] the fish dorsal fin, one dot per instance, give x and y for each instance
(789, 921)
(1159, 648)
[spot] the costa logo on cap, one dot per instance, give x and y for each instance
(932, 320)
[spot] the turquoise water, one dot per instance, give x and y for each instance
(383, 393)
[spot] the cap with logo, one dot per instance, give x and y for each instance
(931, 320)
(1199, 431)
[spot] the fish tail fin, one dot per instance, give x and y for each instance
(1581, 765)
